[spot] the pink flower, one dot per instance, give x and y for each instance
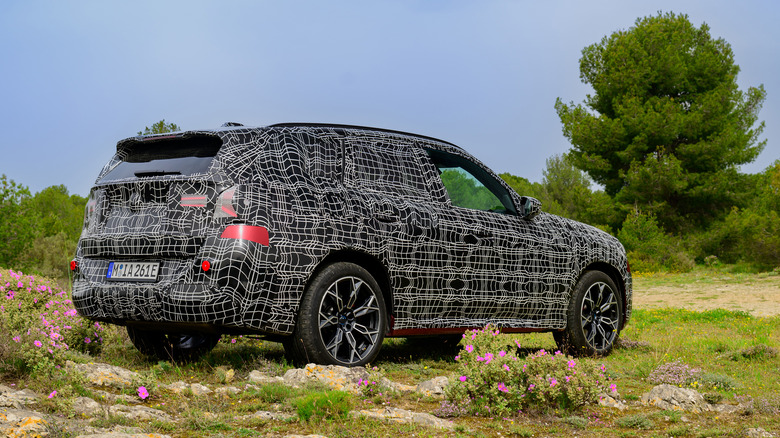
(17, 338)
(142, 392)
(501, 353)
(463, 378)
(613, 387)
(469, 348)
(502, 387)
(506, 367)
(87, 340)
(531, 387)
(457, 357)
(572, 364)
(37, 343)
(553, 382)
(53, 393)
(233, 341)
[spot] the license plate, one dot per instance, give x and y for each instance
(133, 271)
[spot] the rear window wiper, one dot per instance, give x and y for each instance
(156, 173)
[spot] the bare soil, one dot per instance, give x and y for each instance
(757, 294)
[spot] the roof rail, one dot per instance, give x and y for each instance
(229, 124)
(340, 126)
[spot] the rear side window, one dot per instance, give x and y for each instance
(390, 168)
(168, 156)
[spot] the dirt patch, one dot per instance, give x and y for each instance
(759, 296)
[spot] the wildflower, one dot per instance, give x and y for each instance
(17, 338)
(506, 367)
(568, 378)
(457, 358)
(87, 340)
(572, 364)
(37, 343)
(53, 393)
(142, 392)
(553, 382)
(469, 348)
(531, 387)
(233, 341)
(463, 378)
(501, 353)
(502, 387)
(613, 387)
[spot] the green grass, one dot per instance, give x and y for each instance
(735, 351)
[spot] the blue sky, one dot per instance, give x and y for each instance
(77, 76)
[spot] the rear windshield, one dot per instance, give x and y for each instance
(171, 156)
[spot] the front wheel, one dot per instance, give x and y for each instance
(341, 320)
(593, 317)
(171, 346)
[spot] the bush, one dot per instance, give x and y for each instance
(493, 380)
(324, 406)
(41, 323)
(745, 236)
(650, 249)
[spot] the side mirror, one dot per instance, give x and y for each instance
(529, 207)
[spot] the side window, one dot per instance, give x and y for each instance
(469, 185)
(324, 158)
(390, 168)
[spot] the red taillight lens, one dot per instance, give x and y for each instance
(73, 265)
(225, 207)
(206, 265)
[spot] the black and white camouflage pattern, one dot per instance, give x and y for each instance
(328, 193)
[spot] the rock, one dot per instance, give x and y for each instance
(433, 387)
(258, 377)
(198, 389)
(17, 399)
(400, 387)
(175, 387)
(226, 390)
(225, 374)
(86, 407)
(611, 402)
(723, 408)
(22, 424)
(141, 413)
(403, 416)
(334, 376)
(759, 433)
(113, 398)
(674, 398)
(101, 374)
(265, 415)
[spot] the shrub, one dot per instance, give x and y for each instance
(493, 380)
(650, 249)
(41, 322)
(324, 405)
(745, 235)
(674, 373)
(636, 421)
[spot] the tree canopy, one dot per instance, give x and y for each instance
(667, 126)
(160, 128)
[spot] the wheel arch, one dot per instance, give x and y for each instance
(614, 274)
(370, 263)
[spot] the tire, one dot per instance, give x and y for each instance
(341, 320)
(175, 347)
(593, 317)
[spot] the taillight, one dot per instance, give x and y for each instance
(225, 204)
(89, 210)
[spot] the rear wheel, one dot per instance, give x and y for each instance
(341, 320)
(171, 346)
(593, 317)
